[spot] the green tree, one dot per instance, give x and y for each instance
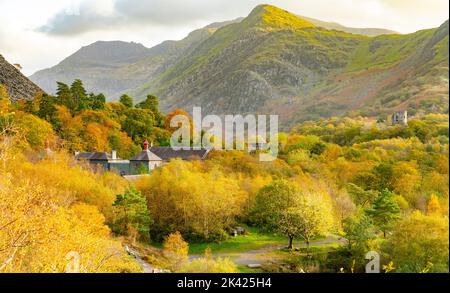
(138, 124)
(383, 174)
(47, 109)
(64, 96)
(384, 211)
(360, 235)
(127, 101)
(131, 213)
(151, 103)
(358, 231)
(360, 196)
(98, 102)
(270, 203)
(79, 95)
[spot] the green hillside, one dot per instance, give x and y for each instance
(276, 62)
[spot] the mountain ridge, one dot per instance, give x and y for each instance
(274, 61)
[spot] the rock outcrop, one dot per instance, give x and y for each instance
(18, 86)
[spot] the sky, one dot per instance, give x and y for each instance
(40, 33)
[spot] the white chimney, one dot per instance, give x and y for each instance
(114, 155)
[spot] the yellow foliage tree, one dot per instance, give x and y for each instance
(434, 206)
(183, 197)
(175, 251)
(418, 241)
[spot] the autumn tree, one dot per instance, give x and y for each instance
(419, 243)
(434, 206)
(171, 115)
(283, 208)
(4, 100)
(36, 131)
(51, 215)
(309, 217)
(175, 250)
(199, 204)
(3, 92)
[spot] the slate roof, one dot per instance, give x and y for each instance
(146, 156)
(83, 156)
(94, 156)
(168, 153)
(100, 157)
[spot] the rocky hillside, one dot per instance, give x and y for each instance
(276, 62)
(18, 86)
(124, 66)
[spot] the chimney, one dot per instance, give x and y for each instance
(146, 145)
(114, 155)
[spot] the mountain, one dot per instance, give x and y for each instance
(369, 32)
(17, 85)
(273, 61)
(114, 67)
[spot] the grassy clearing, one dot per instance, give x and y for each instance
(253, 240)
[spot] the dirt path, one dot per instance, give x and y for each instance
(146, 268)
(257, 256)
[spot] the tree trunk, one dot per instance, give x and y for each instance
(307, 247)
(291, 240)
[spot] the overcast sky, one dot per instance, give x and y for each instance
(40, 33)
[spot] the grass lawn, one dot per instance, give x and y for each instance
(253, 240)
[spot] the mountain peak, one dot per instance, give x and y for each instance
(109, 51)
(274, 17)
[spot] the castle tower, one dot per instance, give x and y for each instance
(400, 118)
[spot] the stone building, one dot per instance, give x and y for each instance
(400, 118)
(145, 162)
(105, 161)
